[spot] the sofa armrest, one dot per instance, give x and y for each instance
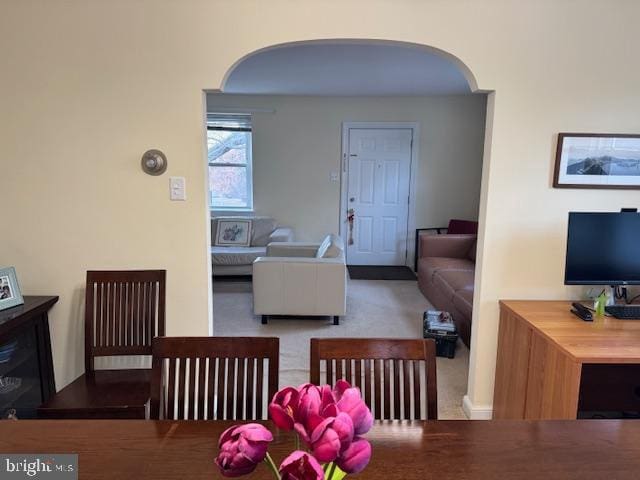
(281, 234)
(450, 246)
(292, 249)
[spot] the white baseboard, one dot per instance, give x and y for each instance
(476, 412)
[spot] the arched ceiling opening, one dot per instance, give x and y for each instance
(349, 68)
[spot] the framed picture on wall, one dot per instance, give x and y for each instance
(233, 233)
(10, 295)
(593, 160)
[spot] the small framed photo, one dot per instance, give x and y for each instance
(592, 160)
(235, 233)
(10, 295)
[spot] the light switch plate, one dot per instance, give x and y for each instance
(177, 188)
(333, 176)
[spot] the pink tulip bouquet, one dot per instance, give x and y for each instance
(328, 422)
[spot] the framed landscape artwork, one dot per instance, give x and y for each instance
(591, 160)
(233, 233)
(10, 295)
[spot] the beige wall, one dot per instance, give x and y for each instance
(296, 148)
(88, 85)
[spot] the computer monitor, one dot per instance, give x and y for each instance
(603, 249)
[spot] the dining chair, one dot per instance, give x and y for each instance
(124, 310)
(213, 378)
(397, 377)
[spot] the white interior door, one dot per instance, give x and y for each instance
(378, 172)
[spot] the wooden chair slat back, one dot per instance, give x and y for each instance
(124, 310)
(213, 378)
(397, 377)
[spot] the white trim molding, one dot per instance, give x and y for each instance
(476, 412)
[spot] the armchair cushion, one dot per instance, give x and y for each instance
(292, 249)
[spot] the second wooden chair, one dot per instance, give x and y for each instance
(213, 378)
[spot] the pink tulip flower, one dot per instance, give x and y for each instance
(356, 456)
(331, 437)
(339, 388)
(352, 404)
(283, 408)
(309, 402)
(301, 466)
(314, 405)
(242, 448)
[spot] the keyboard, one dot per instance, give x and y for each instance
(624, 312)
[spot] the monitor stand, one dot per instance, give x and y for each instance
(617, 295)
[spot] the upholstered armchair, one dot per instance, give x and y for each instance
(301, 279)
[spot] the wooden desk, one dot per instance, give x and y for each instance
(436, 450)
(552, 365)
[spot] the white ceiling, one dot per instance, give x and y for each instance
(347, 69)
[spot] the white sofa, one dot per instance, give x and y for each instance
(302, 279)
(239, 260)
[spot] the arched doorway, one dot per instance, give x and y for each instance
(392, 72)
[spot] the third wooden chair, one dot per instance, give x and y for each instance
(394, 375)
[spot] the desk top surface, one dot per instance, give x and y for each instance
(32, 306)
(605, 340)
(583, 449)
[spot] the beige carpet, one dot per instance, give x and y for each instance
(374, 309)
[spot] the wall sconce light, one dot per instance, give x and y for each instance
(154, 162)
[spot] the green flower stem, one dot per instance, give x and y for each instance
(272, 466)
(331, 471)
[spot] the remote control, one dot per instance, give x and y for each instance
(581, 311)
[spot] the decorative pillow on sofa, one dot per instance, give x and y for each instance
(331, 247)
(233, 232)
(261, 230)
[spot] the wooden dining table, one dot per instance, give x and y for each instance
(461, 450)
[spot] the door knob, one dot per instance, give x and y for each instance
(352, 199)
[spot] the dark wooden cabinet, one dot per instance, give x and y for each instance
(26, 366)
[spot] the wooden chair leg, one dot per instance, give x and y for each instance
(265, 319)
(336, 319)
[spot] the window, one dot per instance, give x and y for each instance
(229, 156)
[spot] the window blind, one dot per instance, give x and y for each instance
(229, 121)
